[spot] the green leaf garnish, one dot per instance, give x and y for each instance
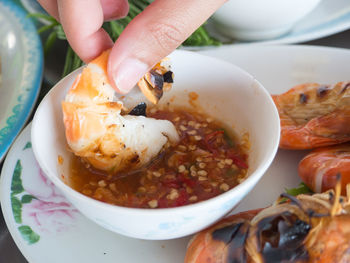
(300, 189)
(51, 39)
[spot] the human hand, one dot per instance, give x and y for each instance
(148, 38)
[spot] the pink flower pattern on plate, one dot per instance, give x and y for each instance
(50, 212)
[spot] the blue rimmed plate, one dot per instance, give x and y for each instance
(21, 59)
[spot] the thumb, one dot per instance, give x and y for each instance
(152, 35)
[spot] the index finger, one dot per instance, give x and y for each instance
(82, 21)
(152, 35)
(112, 9)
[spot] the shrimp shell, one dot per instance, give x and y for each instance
(314, 115)
(319, 168)
(307, 228)
(210, 245)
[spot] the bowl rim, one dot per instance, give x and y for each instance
(248, 182)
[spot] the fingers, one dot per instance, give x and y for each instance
(152, 35)
(82, 21)
(114, 9)
(51, 7)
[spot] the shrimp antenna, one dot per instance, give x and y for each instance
(310, 213)
(293, 199)
(337, 195)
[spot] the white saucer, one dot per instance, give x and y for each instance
(329, 17)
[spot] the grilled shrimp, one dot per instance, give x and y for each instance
(96, 129)
(314, 115)
(306, 228)
(319, 168)
(214, 244)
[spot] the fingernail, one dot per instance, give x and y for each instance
(128, 74)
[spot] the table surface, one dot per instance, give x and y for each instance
(8, 249)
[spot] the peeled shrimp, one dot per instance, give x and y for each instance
(319, 168)
(314, 115)
(97, 131)
(304, 229)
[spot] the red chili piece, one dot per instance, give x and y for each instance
(237, 160)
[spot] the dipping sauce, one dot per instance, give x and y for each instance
(206, 162)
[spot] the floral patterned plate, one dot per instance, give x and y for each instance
(47, 228)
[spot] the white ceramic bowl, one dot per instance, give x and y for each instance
(260, 19)
(225, 91)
